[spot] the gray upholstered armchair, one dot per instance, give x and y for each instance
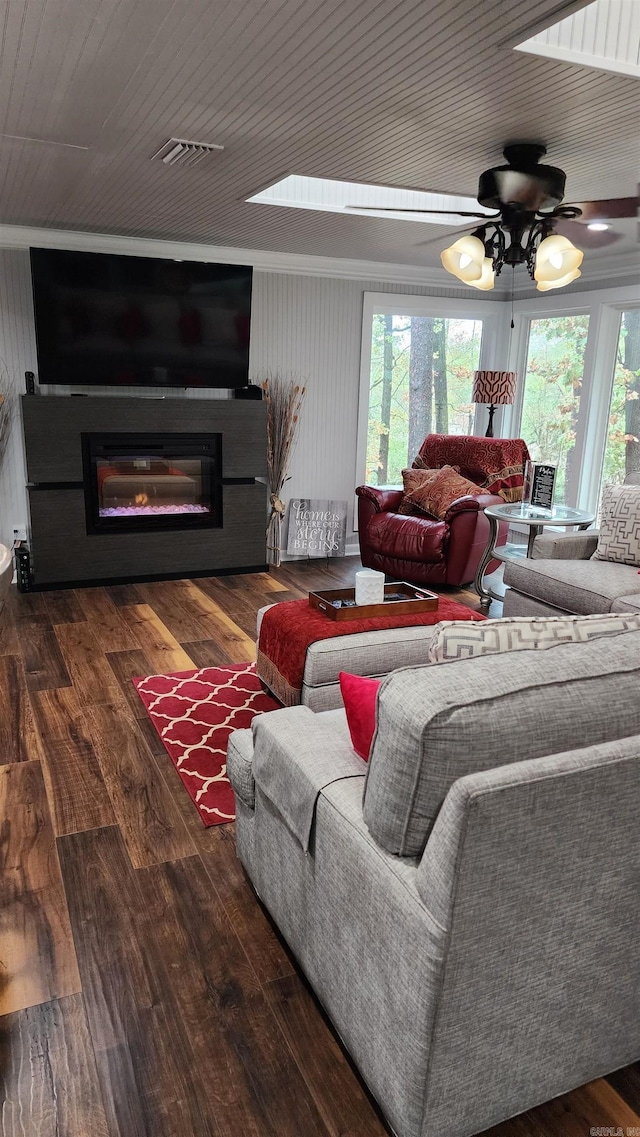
(561, 578)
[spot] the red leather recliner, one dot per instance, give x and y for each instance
(431, 552)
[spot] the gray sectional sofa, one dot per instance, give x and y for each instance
(561, 577)
(466, 906)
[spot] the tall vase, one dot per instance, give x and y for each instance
(284, 399)
(274, 531)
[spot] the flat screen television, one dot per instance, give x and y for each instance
(103, 319)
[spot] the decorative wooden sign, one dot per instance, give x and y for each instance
(317, 528)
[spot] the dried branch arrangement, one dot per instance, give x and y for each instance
(7, 403)
(284, 398)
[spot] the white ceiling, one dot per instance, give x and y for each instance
(605, 34)
(412, 93)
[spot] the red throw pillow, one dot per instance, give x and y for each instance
(436, 492)
(414, 481)
(359, 698)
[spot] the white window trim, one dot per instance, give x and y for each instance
(522, 321)
(502, 347)
(493, 348)
(604, 307)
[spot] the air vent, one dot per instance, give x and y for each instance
(181, 152)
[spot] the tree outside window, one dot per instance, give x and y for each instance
(622, 453)
(421, 379)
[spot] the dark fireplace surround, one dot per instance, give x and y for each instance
(196, 466)
(137, 482)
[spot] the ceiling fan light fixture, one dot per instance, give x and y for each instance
(556, 260)
(464, 259)
(546, 286)
(488, 277)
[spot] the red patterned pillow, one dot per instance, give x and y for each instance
(420, 464)
(420, 474)
(359, 698)
(415, 480)
(436, 491)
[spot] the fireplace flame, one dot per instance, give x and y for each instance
(141, 499)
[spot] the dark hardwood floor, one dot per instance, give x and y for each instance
(143, 991)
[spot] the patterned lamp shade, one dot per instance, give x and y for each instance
(494, 387)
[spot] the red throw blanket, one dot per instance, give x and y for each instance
(494, 464)
(289, 628)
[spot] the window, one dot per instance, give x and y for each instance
(578, 398)
(622, 450)
(420, 379)
(552, 391)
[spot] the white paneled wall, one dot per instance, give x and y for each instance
(301, 325)
(311, 328)
(18, 353)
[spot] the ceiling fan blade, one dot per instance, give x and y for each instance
(608, 208)
(395, 209)
(585, 237)
(445, 236)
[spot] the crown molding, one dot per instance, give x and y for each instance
(24, 237)
(614, 269)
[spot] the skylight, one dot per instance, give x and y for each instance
(605, 35)
(340, 197)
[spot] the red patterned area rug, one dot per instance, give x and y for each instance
(194, 713)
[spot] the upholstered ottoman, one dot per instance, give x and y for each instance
(374, 652)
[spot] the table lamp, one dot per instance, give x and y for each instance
(494, 388)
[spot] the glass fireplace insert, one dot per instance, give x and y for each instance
(143, 482)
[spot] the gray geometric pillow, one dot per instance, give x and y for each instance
(619, 538)
(460, 639)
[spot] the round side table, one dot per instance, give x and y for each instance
(535, 519)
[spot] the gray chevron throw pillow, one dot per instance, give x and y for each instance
(619, 538)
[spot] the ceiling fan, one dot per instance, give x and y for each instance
(530, 226)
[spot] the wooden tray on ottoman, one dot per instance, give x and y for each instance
(400, 599)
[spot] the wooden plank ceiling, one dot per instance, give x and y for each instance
(415, 93)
